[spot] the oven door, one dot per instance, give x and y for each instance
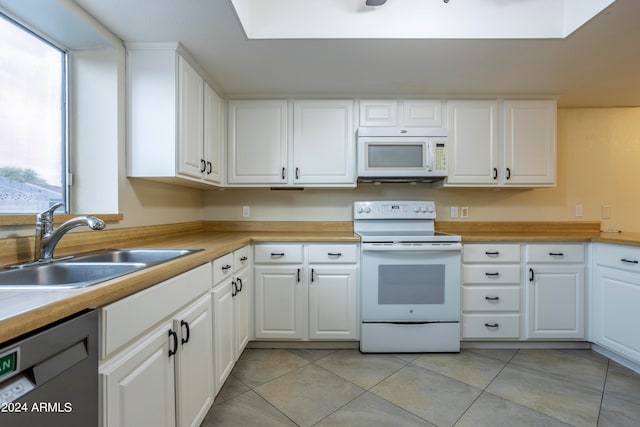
(411, 282)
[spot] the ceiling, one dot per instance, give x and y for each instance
(596, 65)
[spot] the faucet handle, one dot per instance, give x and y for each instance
(48, 213)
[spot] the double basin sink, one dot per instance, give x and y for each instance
(86, 270)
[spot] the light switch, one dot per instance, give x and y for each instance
(454, 212)
(246, 211)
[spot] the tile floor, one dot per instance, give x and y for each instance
(473, 388)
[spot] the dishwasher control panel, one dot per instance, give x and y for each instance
(13, 389)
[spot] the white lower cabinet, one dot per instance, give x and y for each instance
(306, 292)
(164, 375)
(491, 291)
(555, 291)
(231, 302)
(616, 299)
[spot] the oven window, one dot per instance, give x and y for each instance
(395, 155)
(411, 284)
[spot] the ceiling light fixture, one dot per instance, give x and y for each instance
(375, 2)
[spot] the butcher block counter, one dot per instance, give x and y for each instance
(28, 310)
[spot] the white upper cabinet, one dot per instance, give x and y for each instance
(530, 143)
(174, 119)
(324, 142)
(473, 142)
(190, 119)
(520, 153)
(277, 142)
(214, 164)
(258, 142)
(408, 112)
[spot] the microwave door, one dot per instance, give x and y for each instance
(392, 158)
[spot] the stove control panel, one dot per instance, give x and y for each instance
(394, 210)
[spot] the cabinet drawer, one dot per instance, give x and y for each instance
(490, 298)
(499, 273)
(131, 316)
(618, 256)
(555, 253)
(241, 258)
(222, 268)
(487, 252)
(333, 254)
(490, 326)
(278, 254)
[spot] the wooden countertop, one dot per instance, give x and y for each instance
(22, 311)
(28, 310)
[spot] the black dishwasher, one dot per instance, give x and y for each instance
(50, 377)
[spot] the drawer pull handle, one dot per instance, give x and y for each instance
(226, 267)
(277, 254)
(629, 261)
(334, 254)
(531, 275)
(492, 298)
(496, 253)
(492, 325)
(244, 258)
(492, 274)
(556, 254)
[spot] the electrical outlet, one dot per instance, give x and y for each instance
(454, 212)
(464, 212)
(577, 210)
(605, 212)
(246, 211)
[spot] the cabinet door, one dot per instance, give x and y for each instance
(473, 142)
(213, 136)
(332, 303)
(324, 142)
(190, 120)
(422, 112)
(616, 316)
(242, 315)
(530, 142)
(257, 145)
(555, 301)
(194, 368)
(138, 386)
(280, 302)
(223, 332)
(379, 112)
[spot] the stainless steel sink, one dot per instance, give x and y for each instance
(65, 275)
(86, 270)
(147, 256)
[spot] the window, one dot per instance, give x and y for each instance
(33, 140)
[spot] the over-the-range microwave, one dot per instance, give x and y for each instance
(390, 154)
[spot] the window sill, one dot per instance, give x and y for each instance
(30, 219)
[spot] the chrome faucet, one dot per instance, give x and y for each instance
(47, 238)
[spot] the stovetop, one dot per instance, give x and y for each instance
(398, 221)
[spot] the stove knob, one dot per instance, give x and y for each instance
(430, 209)
(360, 210)
(416, 209)
(367, 209)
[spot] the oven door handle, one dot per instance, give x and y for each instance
(442, 247)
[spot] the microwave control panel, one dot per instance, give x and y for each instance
(440, 156)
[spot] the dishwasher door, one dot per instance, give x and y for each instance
(50, 377)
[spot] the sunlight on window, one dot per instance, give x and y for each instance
(32, 121)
